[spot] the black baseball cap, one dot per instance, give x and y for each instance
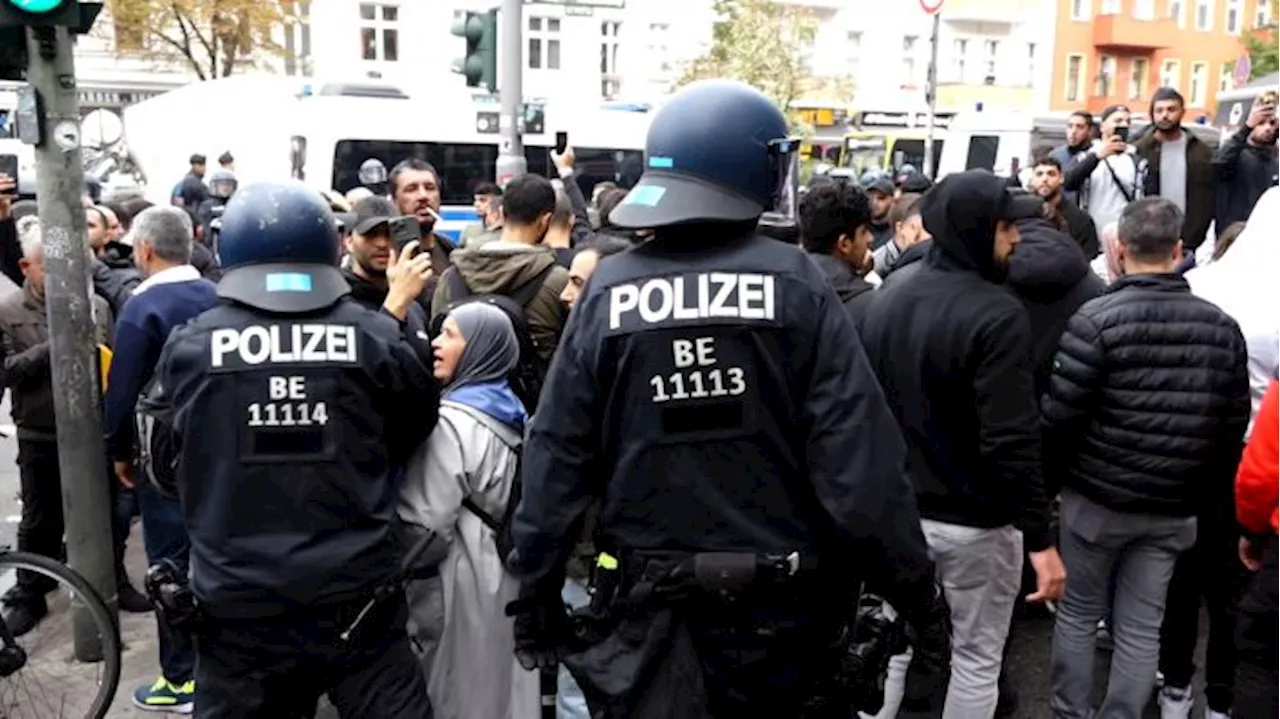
(1022, 206)
(371, 212)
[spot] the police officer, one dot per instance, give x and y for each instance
(292, 406)
(712, 396)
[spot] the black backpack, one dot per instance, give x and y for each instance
(526, 379)
(156, 443)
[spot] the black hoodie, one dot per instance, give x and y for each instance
(952, 350)
(1052, 278)
(854, 292)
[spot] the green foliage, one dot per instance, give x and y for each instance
(761, 43)
(1263, 52)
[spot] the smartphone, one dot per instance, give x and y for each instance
(562, 142)
(1268, 98)
(405, 230)
(9, 166)
(1122, 132)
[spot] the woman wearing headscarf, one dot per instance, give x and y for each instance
(473, 452)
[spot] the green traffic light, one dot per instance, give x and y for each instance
(37, 7)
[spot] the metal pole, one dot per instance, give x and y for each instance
(511, 162)
(86, 497)
(931, 95)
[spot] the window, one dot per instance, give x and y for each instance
(1178, 12)
(991, 50)
(853, 57)
(1227, 76)
(1235, 19)
(1075, 71)
(659, 51)
(379, 32)
(1262, 14)
(1139, 70)
(297, 40)
(909, 43)
(1144, 9)
(1031, 64)
(1171, 74)
(1080, 9)
(1106, 76)
(1199, 84)
(544, 43)
(609, 47)
(1109, 7)
(1204, 15)
(959, 50)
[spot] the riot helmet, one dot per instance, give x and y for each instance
(373, 175)
(278, 247)
(717, 151)
(222, 183)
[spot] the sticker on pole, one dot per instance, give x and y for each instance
(931, 7)
(1243, 71)
(66, 135)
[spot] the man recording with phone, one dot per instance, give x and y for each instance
(1111, 174)
(378, 234)
(1245, 165)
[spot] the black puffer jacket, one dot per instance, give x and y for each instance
(1052, 278)
(1149, 398)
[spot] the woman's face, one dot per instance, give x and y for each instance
(447, 349)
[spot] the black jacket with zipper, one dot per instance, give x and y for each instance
(952, 350)
(1200, 189)
(855, 293)
(1243, 172)
(1149, 398)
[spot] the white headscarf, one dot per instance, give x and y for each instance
(1245, 283)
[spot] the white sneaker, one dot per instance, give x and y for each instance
(1175, 703)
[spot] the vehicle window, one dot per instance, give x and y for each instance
(462, 166)
(602, 164)
(982, 152)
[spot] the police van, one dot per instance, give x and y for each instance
(321, 132)
(997, 141)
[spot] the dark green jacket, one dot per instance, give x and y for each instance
(1200, 187)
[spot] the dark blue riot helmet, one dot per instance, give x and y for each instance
(278, 248)
(717, 151)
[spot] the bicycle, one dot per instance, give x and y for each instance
(23, 699)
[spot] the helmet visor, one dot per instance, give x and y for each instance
(784, 164)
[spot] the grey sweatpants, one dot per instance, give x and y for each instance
(980, 571)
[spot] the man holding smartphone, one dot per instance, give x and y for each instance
(1246, 164)
(1111, 174)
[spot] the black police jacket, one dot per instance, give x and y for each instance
(718, 400)
(289, 430)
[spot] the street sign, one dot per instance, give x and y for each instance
(931, 7)
(1244, 69)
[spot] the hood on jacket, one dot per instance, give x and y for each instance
(500, 266)
(911, 255)
(960, 213)
(495, 399)
(841, 277)
(117, 255)
(1047, 263)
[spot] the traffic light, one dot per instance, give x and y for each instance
(64, 13)
(17, 15)
(480, 65)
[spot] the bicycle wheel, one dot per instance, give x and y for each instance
(49, 683)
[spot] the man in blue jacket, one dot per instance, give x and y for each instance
(172, 293)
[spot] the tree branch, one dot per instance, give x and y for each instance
(183, 47)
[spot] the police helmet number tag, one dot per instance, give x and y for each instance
(288, 417)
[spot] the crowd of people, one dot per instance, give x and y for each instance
(1081, 382)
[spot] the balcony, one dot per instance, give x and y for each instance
(1127, 33)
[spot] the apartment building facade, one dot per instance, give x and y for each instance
(1119, 51)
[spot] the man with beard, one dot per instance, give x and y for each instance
(1079, 139)
(1046, 181)
(1179, 166)
(880, 191)
(1246, 164)
(370, 248)
(953, 347)
(415, 188)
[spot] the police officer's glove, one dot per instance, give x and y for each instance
(930, 670)
(541, 627)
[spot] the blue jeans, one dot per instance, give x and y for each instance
(570, 704)
(164, 536)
